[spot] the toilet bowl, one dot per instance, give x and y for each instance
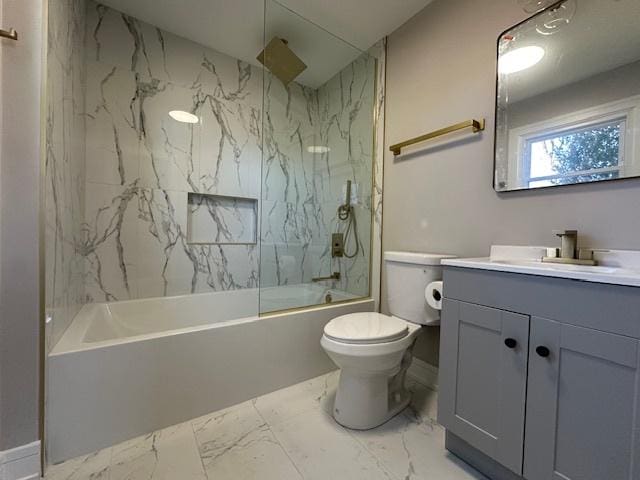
(374, 351)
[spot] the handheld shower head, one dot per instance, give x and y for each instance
(344, 210)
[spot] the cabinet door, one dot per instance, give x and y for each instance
(582, 405)
(483, 371)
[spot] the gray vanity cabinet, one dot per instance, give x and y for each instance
(483, 371)
(582, 404)
(551, 392)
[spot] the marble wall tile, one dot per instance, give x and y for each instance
(302, 191)
(109, 243)
(221, 219)
(170, 150)
(129, 236)
(112, 136)
(230, 131)
(65, 165)
(142, 164)
(346, 106)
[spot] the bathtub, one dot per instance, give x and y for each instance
(123, 369)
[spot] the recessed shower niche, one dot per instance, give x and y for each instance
(220, 220)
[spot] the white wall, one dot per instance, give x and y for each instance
(441, 70)
(20, 72)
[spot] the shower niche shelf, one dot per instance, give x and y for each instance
(221, 220)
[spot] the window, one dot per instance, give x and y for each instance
(597, 143)
(575, 155)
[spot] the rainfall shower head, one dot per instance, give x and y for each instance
(280, 60)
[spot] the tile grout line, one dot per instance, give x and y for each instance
(195, 440)
(110, 465)
(381, 464)
(284, 450)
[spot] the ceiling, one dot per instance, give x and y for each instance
(602, 35)
(312, 27)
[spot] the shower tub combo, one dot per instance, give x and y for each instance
(124, 369)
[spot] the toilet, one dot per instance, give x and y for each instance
(374, 350)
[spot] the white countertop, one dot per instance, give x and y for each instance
(615, 267)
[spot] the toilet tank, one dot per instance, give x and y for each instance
(408, 275)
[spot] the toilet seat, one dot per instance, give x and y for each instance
(366, 328)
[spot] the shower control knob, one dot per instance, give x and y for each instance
(510, 342)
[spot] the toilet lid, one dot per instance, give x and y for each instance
(366, 327)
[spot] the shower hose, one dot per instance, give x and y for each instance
(348, 213)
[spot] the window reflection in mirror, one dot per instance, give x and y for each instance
(568, 103)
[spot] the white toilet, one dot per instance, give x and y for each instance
(373, 350)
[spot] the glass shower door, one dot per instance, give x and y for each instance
(317, 165)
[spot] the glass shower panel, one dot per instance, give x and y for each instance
(317, 165)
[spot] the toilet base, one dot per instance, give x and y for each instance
(366, 401)
(371, 415)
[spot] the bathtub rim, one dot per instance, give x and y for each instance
(79, 326)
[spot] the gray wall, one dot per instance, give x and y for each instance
(441, 70)
(20, 70)
(603, 88)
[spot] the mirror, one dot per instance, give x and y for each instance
(568, 96)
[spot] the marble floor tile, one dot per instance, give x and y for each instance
(424, 400)
(412, 448)
(321, 449)
(289, 402)
(285, 435)
(167, 454)
(236, 443)
(323, 389)
(87, 467)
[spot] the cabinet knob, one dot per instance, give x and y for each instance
(510, 342)
(543, 351)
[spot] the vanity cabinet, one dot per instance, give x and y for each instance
(484, 381)
(553, 397)
(582, 401)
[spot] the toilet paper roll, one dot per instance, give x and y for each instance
(433, 295)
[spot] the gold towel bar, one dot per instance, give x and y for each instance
(477, 125)
(11, 34)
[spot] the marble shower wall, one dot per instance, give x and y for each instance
(65, 165)
(142, 164)
(301, 191)
(347, 114)
(120, 170)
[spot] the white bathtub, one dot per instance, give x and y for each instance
(123, 369)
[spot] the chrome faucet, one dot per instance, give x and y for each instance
(569, 252)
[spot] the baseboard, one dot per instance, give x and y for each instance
(21, 463)
(424, 373)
